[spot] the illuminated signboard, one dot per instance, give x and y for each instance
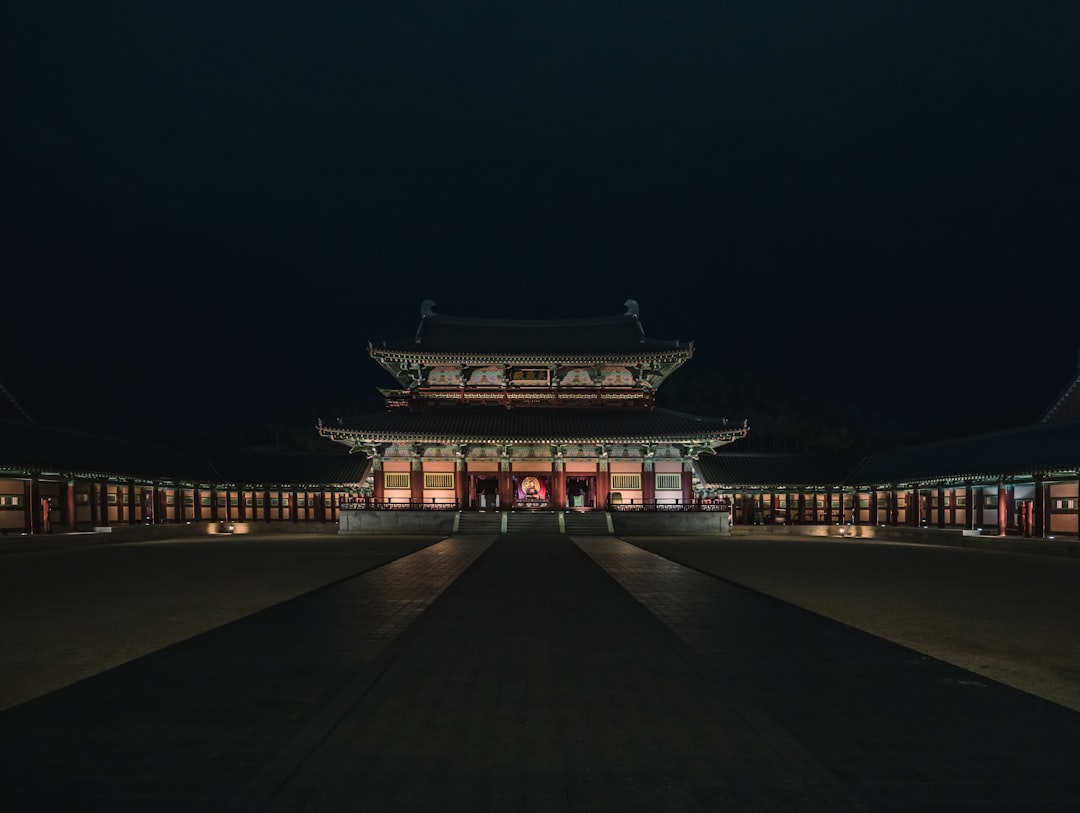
(531, 377)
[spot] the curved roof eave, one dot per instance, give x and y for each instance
(358, 438)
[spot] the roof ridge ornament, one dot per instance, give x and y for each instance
(631, 306)
(427, 308)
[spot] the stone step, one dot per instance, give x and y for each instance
(586, 523)
(532, 522)
(479, 522)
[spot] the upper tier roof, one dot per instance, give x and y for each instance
(620, 334)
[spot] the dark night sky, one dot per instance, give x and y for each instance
(211, 205)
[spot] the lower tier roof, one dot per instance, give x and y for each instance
(524, 425)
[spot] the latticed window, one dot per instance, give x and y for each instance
(438, 479)
(629, 482)
(669, 481)
(396, 479)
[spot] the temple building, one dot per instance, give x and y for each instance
(500, 425)
(497, 414)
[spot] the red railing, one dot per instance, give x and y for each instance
(665, 505)
(400, 504)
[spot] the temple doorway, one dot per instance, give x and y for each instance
(532, 491)
(484, 491)
(581, 491)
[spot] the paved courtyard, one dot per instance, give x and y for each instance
(523, 672)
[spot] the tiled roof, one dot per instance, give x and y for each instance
(1053, 447)
(1066, 406)
(499, 424)
(771, 470)
(10, 409)
(1039, 448)
(455, 334)
(32, 447)
(255, 469)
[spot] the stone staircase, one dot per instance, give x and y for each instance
(480, 522)
(585, 523)
(541, 522)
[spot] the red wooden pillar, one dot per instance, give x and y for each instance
(558, 485)
(416, 480)
(281, 500)
(30, 504)
(603, 485)
(378, 488)
(102, 497)
(131, 502)
(94, 507)
(648, 483)
(941, 506)
(294, 509)
(266, 504)
(801, 506)
(506, 486)
(1038, 513)
(872, 499)
(1003, 510)
(1010, 506)
(687, 482)
(461, 482)
(196, 502)
(214, 499)
(70, 516)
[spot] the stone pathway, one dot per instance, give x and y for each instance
(538, 673)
